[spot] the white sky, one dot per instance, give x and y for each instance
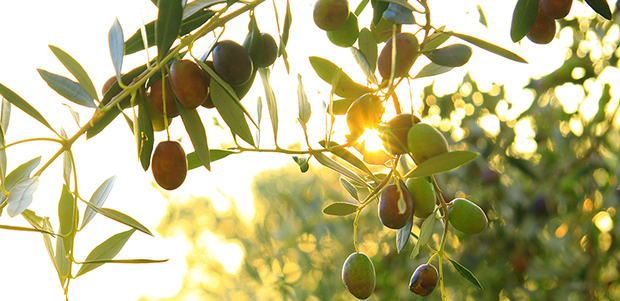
(81, 28)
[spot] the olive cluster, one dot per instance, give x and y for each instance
(187, 84)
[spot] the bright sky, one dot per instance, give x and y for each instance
(81, 29)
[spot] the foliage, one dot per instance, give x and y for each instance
(554, 240)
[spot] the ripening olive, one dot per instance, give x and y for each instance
(556, 9)
(394, 134)
(423, 280)
(188, 83)
(364, 112)
(208, 103)
(330, 14)
(108, 83)
(270, 51)
(169, 165)
(358, 275)
(423, 196)
(466, 216)
(543, 30)
(407, 50)
(347, 34)
(395, 206)
(232, 62)
(157, 97)
(157, 118)
(425, 142)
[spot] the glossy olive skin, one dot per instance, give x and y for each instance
(358, 275)
(466, 216)
(232, 62)
(347, 34)
(188, 83)
(425, 142)
(407, 50)
(395, 206)
(158, 98)
(556, 9)
(394, 134)
(157, 118)
(543, 30)
(330, 14)
(423, 196)
(424, 280)
(208, 103)
(270, 51)
(169, 165)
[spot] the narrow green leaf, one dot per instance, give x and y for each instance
(432, 69)
(121, 218)
(523, 18)
(360, 58)
(61, 261)
(23, 105)
(442, 163)
(601, 7)
(196, 132)
(482, 19)
(425, 233)
(340, 209)
(116, 42)
(302, 101)
(66, 162)
(214, 155)
(198, 6)
(231, 112)
(167, 25)
(147, 138)
(67, 215)
(329, 163)
(402, 235)
(489, 47)
(346, 155)
(97, 199)
(327, 71)
(76, 69)
(102, 123)
(105, 251)
(341, 106)
(435, 40)
(349, 188)
(20, 196)
(253, 42)
(367, 44)
(5, 114)
(360, 8)
(403, 3)
(288, 19)
(195, 19)
(67, 88)
(7, 227)
(44, 225)
(130, 261)
(272, 106)
(466, 273)
(20, 173)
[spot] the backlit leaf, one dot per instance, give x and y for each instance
(441, 163)
(346, 155)
(340, 209)
(67, 215)
(167, 25)
(360, 58)
(231, 112)
(121, 218)
(196, 132)
(398, 14)
(15, 228)
(20, 196)
(466, 273)
(23, 105)
(302, 101)
(271, 101)
(214, 155)
(97, 199)
(349, 188)
(345, 87)
(523, 18)
(426, 230)
(67, 88)
(331, 164)
(402, 235)
(105, 251)
(116, 43)
(432, 69)
(76, 69)
(367, 44)
(146, 136)
(489, 47)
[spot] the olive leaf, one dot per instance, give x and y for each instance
(116, 42)
(601, 7)
(20, 196)
(402, 235)
(105, 251)
(302, 100)
(463, 271)
(67, 88)
(16, 228)
(76, 70)
(167, 25)
(441, 163)
(271, 102)
(120, 217)
(331, 164)
(523, 18)
(432, 69)
(489, 47)
(349, 188)
(340, 209)
(302, 162)
(345, 86)
(361, 60)
(399, 14)
(367, 44)
(196, 131)
(214, 155)
(97, 199)
(19, 102)
(425, 233)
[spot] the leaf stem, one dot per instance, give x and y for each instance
(30, 140)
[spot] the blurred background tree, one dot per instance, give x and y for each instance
(547, 178)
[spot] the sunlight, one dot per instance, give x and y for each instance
(230, 255)
(372, 140)
(603, 221)
(490, 124)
